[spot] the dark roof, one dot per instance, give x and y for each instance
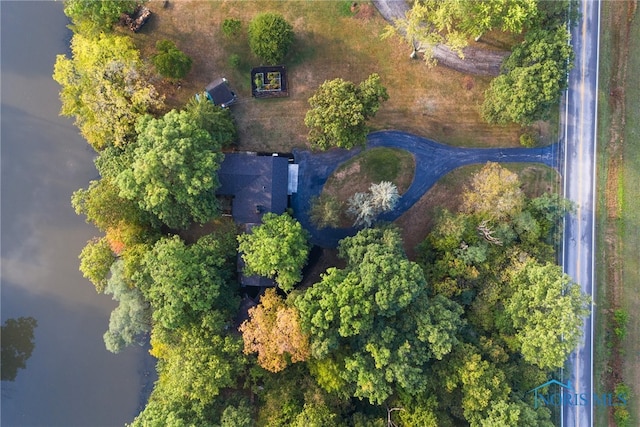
(220, 93)
(258, 184)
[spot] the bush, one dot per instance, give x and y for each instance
(622, 417)
(171, 62)
(231, 27)
(528, 140)
(234, 60)
(325, 211)
(270, 37)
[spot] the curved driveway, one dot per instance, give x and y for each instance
(433, 161)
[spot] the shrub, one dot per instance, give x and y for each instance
(231, 27)
(171, 62)
(325, 211)
(528, 140)
(270, 37)
(234, 60)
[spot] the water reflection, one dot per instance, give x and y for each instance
(70, 378)
(16, 343)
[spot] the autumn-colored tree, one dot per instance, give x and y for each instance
(494, 193)
(104, 88)
(273, 331)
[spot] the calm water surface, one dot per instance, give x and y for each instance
(70, 378)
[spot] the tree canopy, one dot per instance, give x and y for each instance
(97, 15)
(170, 61)
(536, 73)
(212, 118)
(104, 88)
(340, 110)
(270, 37)
(494, 193)
(96, 259)
(173, 173)
(131, 318)
(372, 323)
(453, 22)
(547, 310)
(184, 282)
(273, 331)
(277, 249)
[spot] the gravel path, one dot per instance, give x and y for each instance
(483, 62)
(433, 161)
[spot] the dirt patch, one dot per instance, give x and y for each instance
(364, 11)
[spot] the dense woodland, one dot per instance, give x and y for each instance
(457, 336)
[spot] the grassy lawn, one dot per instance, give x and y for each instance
(618, 264)
(330, 42)
(417, 222)
(370, 167)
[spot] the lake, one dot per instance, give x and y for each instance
(70, 378)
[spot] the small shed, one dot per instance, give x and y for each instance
(219, 92)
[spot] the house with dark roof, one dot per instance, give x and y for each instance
(256, 185)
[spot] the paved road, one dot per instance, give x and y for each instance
(433, 161)
(579, 186)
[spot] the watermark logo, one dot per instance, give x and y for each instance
(555, 393)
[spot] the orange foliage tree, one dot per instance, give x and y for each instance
(273, 331)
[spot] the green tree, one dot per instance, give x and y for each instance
(547, 310)
(97, 15)
(173, 173)
(212, 118)
(373, 320)
(184, 282)
(17, 344)
(96, 259)
(536, 75)
(198, 359)
(270, 37)
(453, 22)
(339, 112)
(102, 205)
(131, 318)
(277, 249)
(316, 416)
(237, 416)
(170, 61)
(104, 88)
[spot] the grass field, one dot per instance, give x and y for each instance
(330, 42)
(618, 262)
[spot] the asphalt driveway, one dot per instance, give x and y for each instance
(433, 161)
